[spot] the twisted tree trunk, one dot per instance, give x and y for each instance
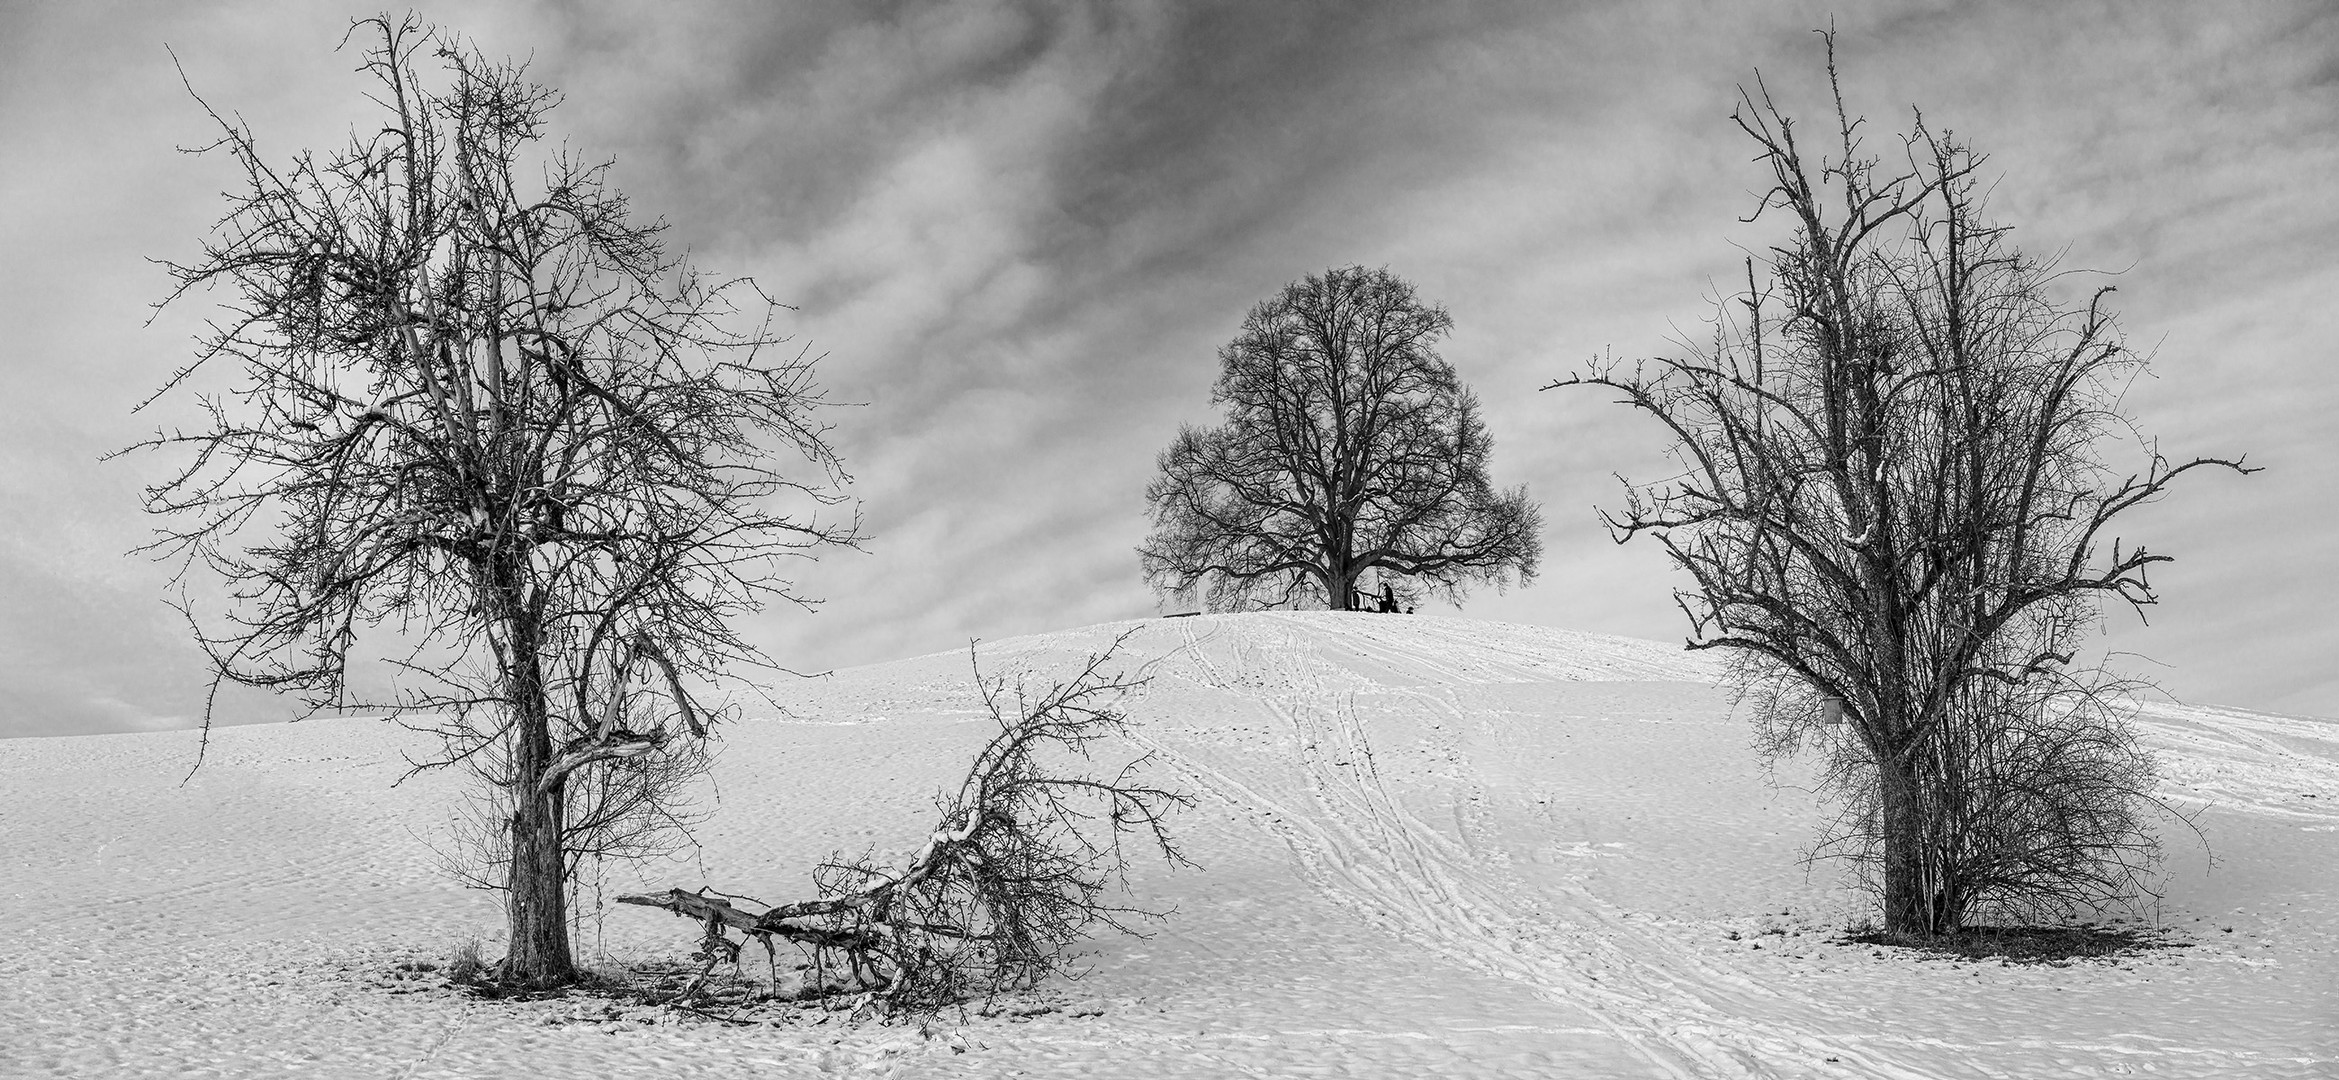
(537, 907)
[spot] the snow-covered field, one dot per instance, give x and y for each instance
(1428, 847)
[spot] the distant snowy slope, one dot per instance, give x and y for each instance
(1427, 846)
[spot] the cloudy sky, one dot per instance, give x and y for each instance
(1019, 231)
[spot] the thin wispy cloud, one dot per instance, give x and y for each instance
(1019, 232)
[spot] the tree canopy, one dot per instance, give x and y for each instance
(1350, 447)
(485, 433)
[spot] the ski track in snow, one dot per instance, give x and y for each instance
(1358, 843)
(2278, 766)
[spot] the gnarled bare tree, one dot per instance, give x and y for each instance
(1350, 448)
(486, 432)
(1896, 509)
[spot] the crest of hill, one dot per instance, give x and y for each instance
(1314, 650)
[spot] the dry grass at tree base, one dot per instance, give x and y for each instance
(2057, 945)
(676, 991)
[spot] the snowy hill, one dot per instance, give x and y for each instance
(1428, 846)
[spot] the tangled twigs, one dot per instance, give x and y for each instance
(1015, 873)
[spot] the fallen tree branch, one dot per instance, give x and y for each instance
(1014, 874)
(697, 906)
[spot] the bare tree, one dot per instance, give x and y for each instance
(1896, 509)
(1350, 447)
(2034, 799)
(1016, 872)
(487, 435)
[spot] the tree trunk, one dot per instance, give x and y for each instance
(1340, 590)
(536, 902)
(1907, 909)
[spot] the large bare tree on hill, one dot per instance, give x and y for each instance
(1896, 509)
(1350, 447)
(486, 434)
